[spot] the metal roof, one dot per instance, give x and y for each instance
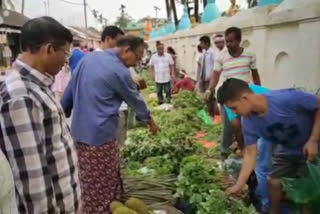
(12, 19)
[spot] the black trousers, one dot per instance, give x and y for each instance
(166, 87)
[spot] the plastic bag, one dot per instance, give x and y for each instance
(304, 191)
(205, 118)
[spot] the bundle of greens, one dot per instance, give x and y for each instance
(153, 166)
(195, 179)
(187, 99)
(212, 133)
(172, 147)
(175, 138)
(152, 190)
(214, 152)
(201, 183)
(217, 202)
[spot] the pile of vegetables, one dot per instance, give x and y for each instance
(169, 147)
(195, 179)
(174, 141)
(158, 169)
(186, 99)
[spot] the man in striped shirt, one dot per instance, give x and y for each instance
(234, 62)
(34, 133)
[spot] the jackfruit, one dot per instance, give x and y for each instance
(137, 205)
(124, 210)
(114, 205)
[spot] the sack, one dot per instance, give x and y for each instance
(304, 191)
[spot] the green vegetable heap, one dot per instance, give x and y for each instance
(174, 152)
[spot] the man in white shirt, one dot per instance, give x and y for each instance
(162, 70)
(206, 70)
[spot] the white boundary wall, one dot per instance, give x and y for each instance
(285, 38)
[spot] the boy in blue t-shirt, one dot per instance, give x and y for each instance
(288, 118)
(264, 155)
(256, 89)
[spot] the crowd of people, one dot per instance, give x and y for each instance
(52, 169)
